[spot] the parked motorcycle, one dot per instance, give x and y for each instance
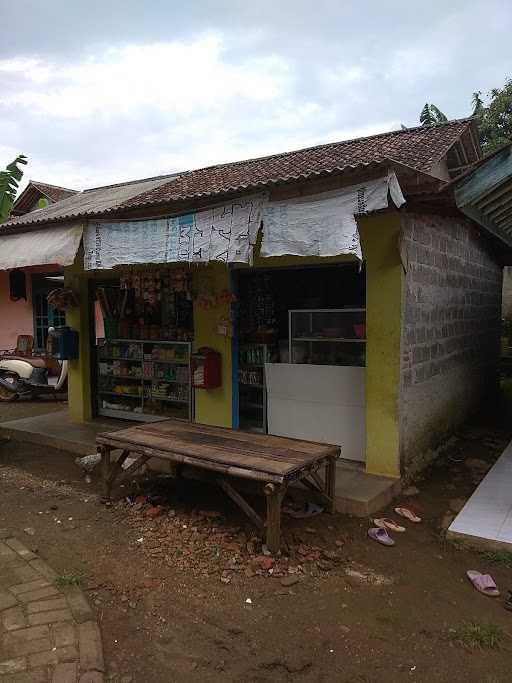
(31, 376)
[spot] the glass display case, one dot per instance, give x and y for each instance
(328, 336)
(144, 380)
(252, 393)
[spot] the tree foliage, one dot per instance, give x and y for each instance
(494, 118)
(9, 183)
(430, 115)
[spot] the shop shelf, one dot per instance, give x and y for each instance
(114, 393)
(355, 340)
(110, 374)
(168, 362)
(132, 360)
(168, 400)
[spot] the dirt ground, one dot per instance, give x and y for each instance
(171, 591)
(16, 410)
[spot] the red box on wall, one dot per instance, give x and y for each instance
(206, 369)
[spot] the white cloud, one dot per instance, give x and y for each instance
(184, 85)
(173, 77)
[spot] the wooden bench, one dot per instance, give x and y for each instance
(223, 456)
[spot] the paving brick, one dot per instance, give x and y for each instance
(67, 654)
(23, 648)
(65, 673)
(7, 600)
(51, 617)
(64, 634)
(30, 633)
(79, 605)
(6, 553)
(46, 658)
(11, 666)
(25, 573)
(91, 651)
(33, 596)
(32, 676)
(44, 569)
(92, 677)
(21, 549)
(30, 585)
(13, 619)
(47, 605)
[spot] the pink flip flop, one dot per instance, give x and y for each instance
(381, 536)
(386, 523)
(408, 514)
(484, 583)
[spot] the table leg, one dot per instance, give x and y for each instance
(105, 469)
(274, 499)
(330, 484)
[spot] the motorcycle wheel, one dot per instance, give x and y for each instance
(6, 395)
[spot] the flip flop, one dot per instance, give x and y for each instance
(381, 536)
(386, 523)
(508, 602)
(484, 583)
(408, 514)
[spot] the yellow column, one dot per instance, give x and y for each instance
(213, 406)
(79, 378)
(379, 237)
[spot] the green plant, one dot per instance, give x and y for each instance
(494, 117)
(68, 580)
(503, 557)
(430, 115)
(9, 183)
(473, 635)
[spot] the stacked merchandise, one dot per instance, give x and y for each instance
(149, 305)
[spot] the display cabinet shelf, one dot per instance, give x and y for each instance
(145, 404)
(328, 336)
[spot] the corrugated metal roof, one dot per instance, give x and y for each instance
(90, 202)
(485, 194)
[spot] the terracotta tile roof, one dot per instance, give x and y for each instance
(35, 191)
(419, 148)
(53, 192)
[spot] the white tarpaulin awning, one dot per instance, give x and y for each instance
(324, 224)
(223, 233)
(55, 246)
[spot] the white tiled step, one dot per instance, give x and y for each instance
(487, 515)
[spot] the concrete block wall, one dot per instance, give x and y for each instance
(451, 317)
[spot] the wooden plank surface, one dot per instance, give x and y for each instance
(254, 438)
(242, 450)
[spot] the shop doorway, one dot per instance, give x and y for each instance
(45, 315)
(301, 354)
(143, 341)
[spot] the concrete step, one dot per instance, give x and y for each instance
(361, 494)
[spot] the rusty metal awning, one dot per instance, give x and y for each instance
(485, 194)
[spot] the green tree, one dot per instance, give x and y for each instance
(430, 115)
(9, 183)
(494, 118)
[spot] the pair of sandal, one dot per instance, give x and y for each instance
(485, 584)
(380, 533)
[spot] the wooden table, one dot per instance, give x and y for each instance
(225, 456)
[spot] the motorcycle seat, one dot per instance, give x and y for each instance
(37, 362)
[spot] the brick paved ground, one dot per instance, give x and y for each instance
(48, 634)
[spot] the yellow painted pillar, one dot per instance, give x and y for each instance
(379, 237)
(213, 406)
(78, 318)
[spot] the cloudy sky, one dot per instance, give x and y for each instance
(102, 91)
